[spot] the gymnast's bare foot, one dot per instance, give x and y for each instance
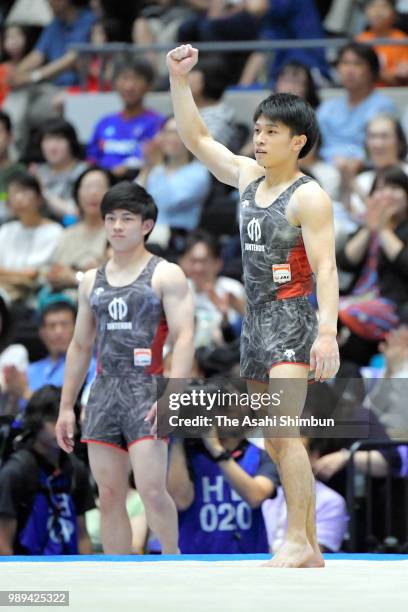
(296, 554)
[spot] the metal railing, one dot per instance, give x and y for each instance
(236, 46)
(86, 50)
(369, 496)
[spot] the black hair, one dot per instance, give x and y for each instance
(63, 129)
(5, 121)
(311, 90)
(6, 320)
(365, 53)
(391, 175)
(59, 306)
(109, 178)
(215, 75)
(399, 132)
(29, 35)
(294, 112)
(26, 180)
(132, 197)
(208, 239)
(112, 27)
(80, 3)
(138, 66)
(43, 406)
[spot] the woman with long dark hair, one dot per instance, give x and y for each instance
(378, 253)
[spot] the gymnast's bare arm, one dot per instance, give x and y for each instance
(179, 310)
(313, 211)
(77, 363)
(235, 170)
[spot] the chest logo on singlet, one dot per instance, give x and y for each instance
(254, 234)
(118, 310)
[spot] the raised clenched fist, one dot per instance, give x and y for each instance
(181, 60)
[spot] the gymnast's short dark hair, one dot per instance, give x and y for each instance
(294, 112)
(132, 197)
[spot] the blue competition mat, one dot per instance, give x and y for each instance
(206, 558)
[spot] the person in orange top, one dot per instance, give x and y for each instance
(381, 15)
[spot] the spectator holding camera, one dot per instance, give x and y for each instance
(44, 493)
(219, 484)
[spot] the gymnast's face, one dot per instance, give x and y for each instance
(126, 230)
(274, 142)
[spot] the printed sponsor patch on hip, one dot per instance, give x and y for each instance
(281, 273)
(142, 357)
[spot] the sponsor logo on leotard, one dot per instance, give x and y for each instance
(281, 273)
(142, 357)
(118, 310)
(254, 234)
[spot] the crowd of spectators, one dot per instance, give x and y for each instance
(51, 232)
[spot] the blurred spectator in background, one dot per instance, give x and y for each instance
(208, 81)
(343, 119)
(56, 329)
(62, 154)
(381, 16)
(100, 69)
(27, 244)
(219, 300)
(48, 68)
(8, 167)
(159, 22)
(123, 11)
(117, 141)
(226, 20)
(83, 245)
(296, 78)
(178, 183)
(378, 254)
(15, 45)
(331, 518)
(386, 145)
(218, 484)
(327, 174)
(387, 393)
(44, 493)
(287, 19)
(329, 455)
